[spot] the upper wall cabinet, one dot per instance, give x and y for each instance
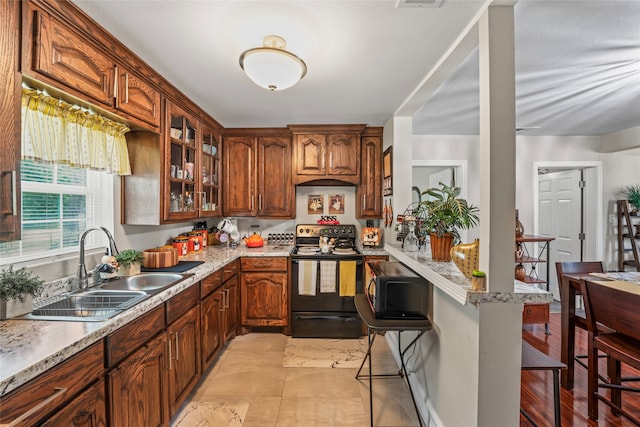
(64, 58)
(257, 167)
(326, 152)
(369, 193)
(9, 121)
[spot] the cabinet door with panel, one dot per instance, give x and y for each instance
(70, 59)
(212, 334)
(263, 291)
(275, 187)
(230, 311)
(240, 178)
(184, 356)
(309, 154)
(10, 121)
(136, 97)
(369, 192)
(138, 387)
(343, 154)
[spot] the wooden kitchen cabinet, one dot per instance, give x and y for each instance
(184, 356)
(219, 311)
(46, 395)
(276, 195)
(240, 177)
(86, 410)
(10, 102)
(257, 173)
(210, 195)
(65, 57)
(263, 291)
(369, 192)
(326, 152)
(212, 304)
(138, 387)
(181, 161)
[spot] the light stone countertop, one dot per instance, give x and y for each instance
(447, 277)
(30, 347)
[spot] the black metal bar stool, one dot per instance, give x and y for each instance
(379, 325)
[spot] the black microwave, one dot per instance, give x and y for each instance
(396, 292)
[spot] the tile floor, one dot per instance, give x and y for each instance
(264, 380)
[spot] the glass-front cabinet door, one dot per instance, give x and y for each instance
(183, 169)
(209, 202)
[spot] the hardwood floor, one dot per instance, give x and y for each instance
(537, 386)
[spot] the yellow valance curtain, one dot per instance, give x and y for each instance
(54, 131)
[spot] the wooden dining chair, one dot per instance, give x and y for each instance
(616, 307)
(579, 268)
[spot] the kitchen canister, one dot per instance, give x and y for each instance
(181, 243)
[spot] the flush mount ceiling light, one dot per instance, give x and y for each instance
(272, 66)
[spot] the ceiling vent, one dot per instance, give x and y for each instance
(419, 3)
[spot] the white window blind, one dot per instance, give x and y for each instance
(58, 204)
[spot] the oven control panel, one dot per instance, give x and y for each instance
(335, 231)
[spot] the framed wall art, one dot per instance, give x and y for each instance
(336, 203)
(315, 204)
(387, 187)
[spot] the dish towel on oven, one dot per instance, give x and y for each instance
(327, 276)
(347, 278)
(307, 273)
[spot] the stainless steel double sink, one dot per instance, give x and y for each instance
(106, 299)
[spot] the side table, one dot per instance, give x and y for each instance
(379, 325)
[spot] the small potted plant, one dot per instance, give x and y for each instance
(444, 214)
(632, 194)
(17, 289)
(129, 262)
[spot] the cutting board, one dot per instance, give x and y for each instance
(181, 267)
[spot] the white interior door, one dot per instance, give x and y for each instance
(559, 207)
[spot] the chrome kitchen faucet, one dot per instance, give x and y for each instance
(112, 250)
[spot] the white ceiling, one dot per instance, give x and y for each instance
(577, 62)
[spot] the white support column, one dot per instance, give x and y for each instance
(497, 146)
(500, 325)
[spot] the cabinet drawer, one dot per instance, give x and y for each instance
(229, 270)
(535, 313)
(60, 383)
(210, 283)
(130, 337)
(181, 303)
(264, 264)
(88, 409)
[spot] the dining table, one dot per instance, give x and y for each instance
(569, 288)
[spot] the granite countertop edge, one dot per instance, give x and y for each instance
(30, 347)
(447, 277)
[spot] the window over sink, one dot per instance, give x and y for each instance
(58, 203)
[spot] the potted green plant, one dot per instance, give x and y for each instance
(632, 194)
(444, 214)
(17, 289)
(129, 262)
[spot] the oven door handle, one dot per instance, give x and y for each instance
(296, 261)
